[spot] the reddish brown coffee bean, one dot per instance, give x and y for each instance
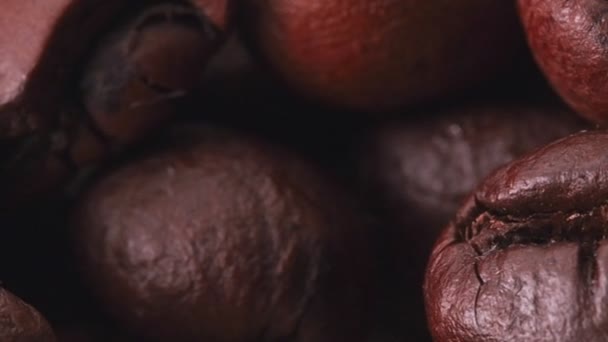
(136, 71)
(568, 40)
(109, 95)
(21, 322)
(218, 237)
(418, 170)
(525, 257)
(40, 44)
(421, 168)
(44, 43)
(382, 54)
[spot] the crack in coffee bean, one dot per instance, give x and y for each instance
(525, 257)
(491, 232)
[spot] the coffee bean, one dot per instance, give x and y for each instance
(220, 237)
(525, 257)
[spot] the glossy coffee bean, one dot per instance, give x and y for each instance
(525, 259)
(416, 171)
(376, 55)
(569, 40)
(422, 168)
(102, 76)
(219, 237)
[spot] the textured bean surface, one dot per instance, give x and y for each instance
(423, 168)
(418, 170)
(137, 67)
(526, 257)
(19, 322)
(221, 238)
(569, 40)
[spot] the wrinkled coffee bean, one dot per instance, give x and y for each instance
(568, 39)
(422, 168)
(129, 82)
(20, 322)
(416, 171)
(526, 259)
(383, 54)
(218, 237)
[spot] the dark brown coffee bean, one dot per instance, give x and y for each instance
(138, 69)
(41, 43)
(418, 170)
(145, 60)
(422, 168)
(221, 238)
(45, 44)
(525, 258)
(20, 322)
(376, 55)
(569, 39)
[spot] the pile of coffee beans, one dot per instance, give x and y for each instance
(303, 170)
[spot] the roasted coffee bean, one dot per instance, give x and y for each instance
(222, 238)
(382, 54)
(421, 168)
(416, 171)
(69, 103)
(525, 257)
(569, 39)
(40, 43)
(20, 322)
